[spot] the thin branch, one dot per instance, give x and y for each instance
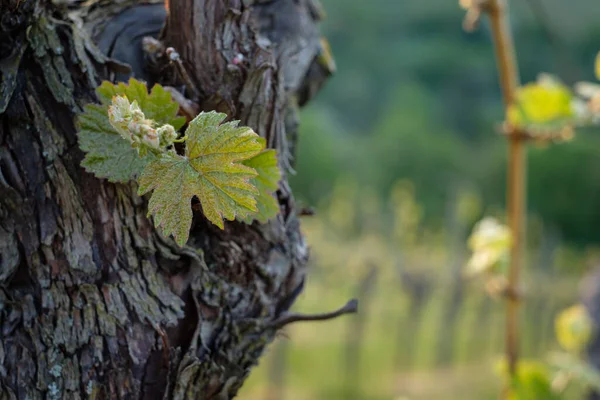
(306, 212)
(504, 47)
(351, 307)
(497, 11)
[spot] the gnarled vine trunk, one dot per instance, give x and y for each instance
(94, 303)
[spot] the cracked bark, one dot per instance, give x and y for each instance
(94, 303)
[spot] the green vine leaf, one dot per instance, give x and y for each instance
(265, 164)
(108, 155)
(130, 135)
(211, 170)
(542, 105)
(574, 328)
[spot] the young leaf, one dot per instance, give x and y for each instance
(265, 164)
(532, 381)
(156, 105)
(574, 328)
(211, 170)
(546, 103)
(108, 155)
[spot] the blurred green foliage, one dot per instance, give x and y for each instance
(417, 98)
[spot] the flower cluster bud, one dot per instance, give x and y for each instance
(130, 122)
(167, 135)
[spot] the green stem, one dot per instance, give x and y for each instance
(180, 140)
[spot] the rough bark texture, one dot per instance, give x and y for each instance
(94, 303)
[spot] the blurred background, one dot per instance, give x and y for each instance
(399, 156)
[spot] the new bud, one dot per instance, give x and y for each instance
(166, 134)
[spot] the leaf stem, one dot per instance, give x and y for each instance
(181, 139)
(497, 11)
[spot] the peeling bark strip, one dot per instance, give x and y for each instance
(94, 303)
